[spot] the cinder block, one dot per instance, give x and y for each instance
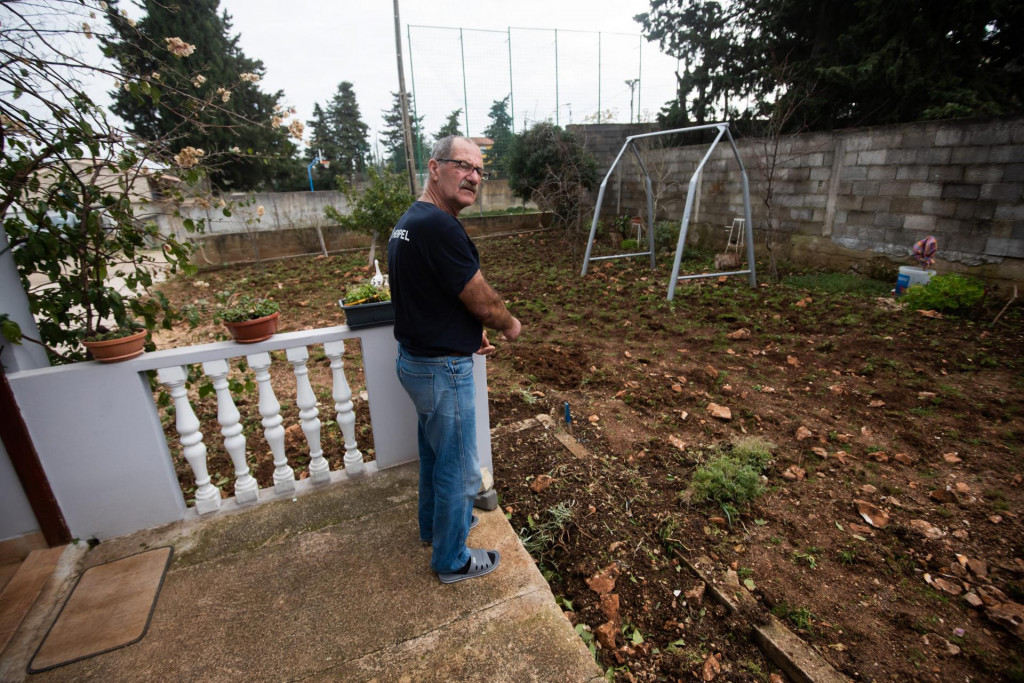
(925, 190)
(854, 173)
(923, 138)
(985, 174)
(907, 205)
(865, 187)
(881, 172)
(996, 246)
(872, 157)
(975, 210)
(991, 134)
(1007, 154)
(919, 222)
(946, 174)
(888, 220)
(912, 172)
(895, 188)
(969, 155)
(1002, 192)
(848, 202)
(901, 156)
(859, 143)
(1013, 212)
(960, 191)
(876, 203)
(939, 207)
(949, 136)
(862, 217)
(934, 155)
(961, 242)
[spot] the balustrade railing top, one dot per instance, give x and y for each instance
(99, 436)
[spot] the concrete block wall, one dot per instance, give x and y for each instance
(853, 195)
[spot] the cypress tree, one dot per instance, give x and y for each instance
(217, 107)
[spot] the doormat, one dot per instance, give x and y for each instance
(109, 608)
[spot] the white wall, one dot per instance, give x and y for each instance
(16, 516)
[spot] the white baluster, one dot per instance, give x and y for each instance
(342, 395)
(193, 448)
(305, 399)
(270, 409)
(246, 488)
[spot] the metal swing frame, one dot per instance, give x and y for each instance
(723, 131)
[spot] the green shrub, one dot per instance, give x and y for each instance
(629, 244)
(951, 293)
(732, 479)
(666, 235)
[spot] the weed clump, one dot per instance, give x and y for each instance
(732, 479)
(951, 293)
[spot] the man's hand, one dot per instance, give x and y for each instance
(512, 331)
(486, 348)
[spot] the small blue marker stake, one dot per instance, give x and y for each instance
(568, 417)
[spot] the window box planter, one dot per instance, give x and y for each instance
(371, 314)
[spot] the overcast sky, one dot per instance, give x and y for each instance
(309, 46)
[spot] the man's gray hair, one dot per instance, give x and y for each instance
(443, 147)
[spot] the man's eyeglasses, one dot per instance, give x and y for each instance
(467, 167)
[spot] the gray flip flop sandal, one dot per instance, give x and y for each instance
(480, 562)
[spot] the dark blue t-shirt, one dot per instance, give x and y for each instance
(430, 260)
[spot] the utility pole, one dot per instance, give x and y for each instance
(403, 98)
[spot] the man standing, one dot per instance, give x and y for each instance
(442, 303)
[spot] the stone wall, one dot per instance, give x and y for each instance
(292, 210)
(225, 248)
(846, 198)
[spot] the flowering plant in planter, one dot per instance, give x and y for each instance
(247, 308)
(119, 343)
(367, 305)
(366, 293)
(250, 318)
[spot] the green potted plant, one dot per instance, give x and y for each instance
(117, 344)
(367, 305)
(249, 319)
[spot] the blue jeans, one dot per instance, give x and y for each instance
(443, 392)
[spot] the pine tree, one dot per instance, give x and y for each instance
(451, 126)
(339, 133)
(218, 109)
(394, 137)
(500, 131)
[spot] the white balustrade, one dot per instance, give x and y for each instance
(305, 399)
(246, 487)
(346, 417)
(193, 448)
(270, 410)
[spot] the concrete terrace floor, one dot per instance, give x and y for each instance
(333, 585)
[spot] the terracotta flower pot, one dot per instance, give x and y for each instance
(114, 350)
(250, 331)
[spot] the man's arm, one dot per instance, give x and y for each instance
(487, 307)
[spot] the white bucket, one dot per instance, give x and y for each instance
(910, 276)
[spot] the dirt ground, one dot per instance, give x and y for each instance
(888, 532)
